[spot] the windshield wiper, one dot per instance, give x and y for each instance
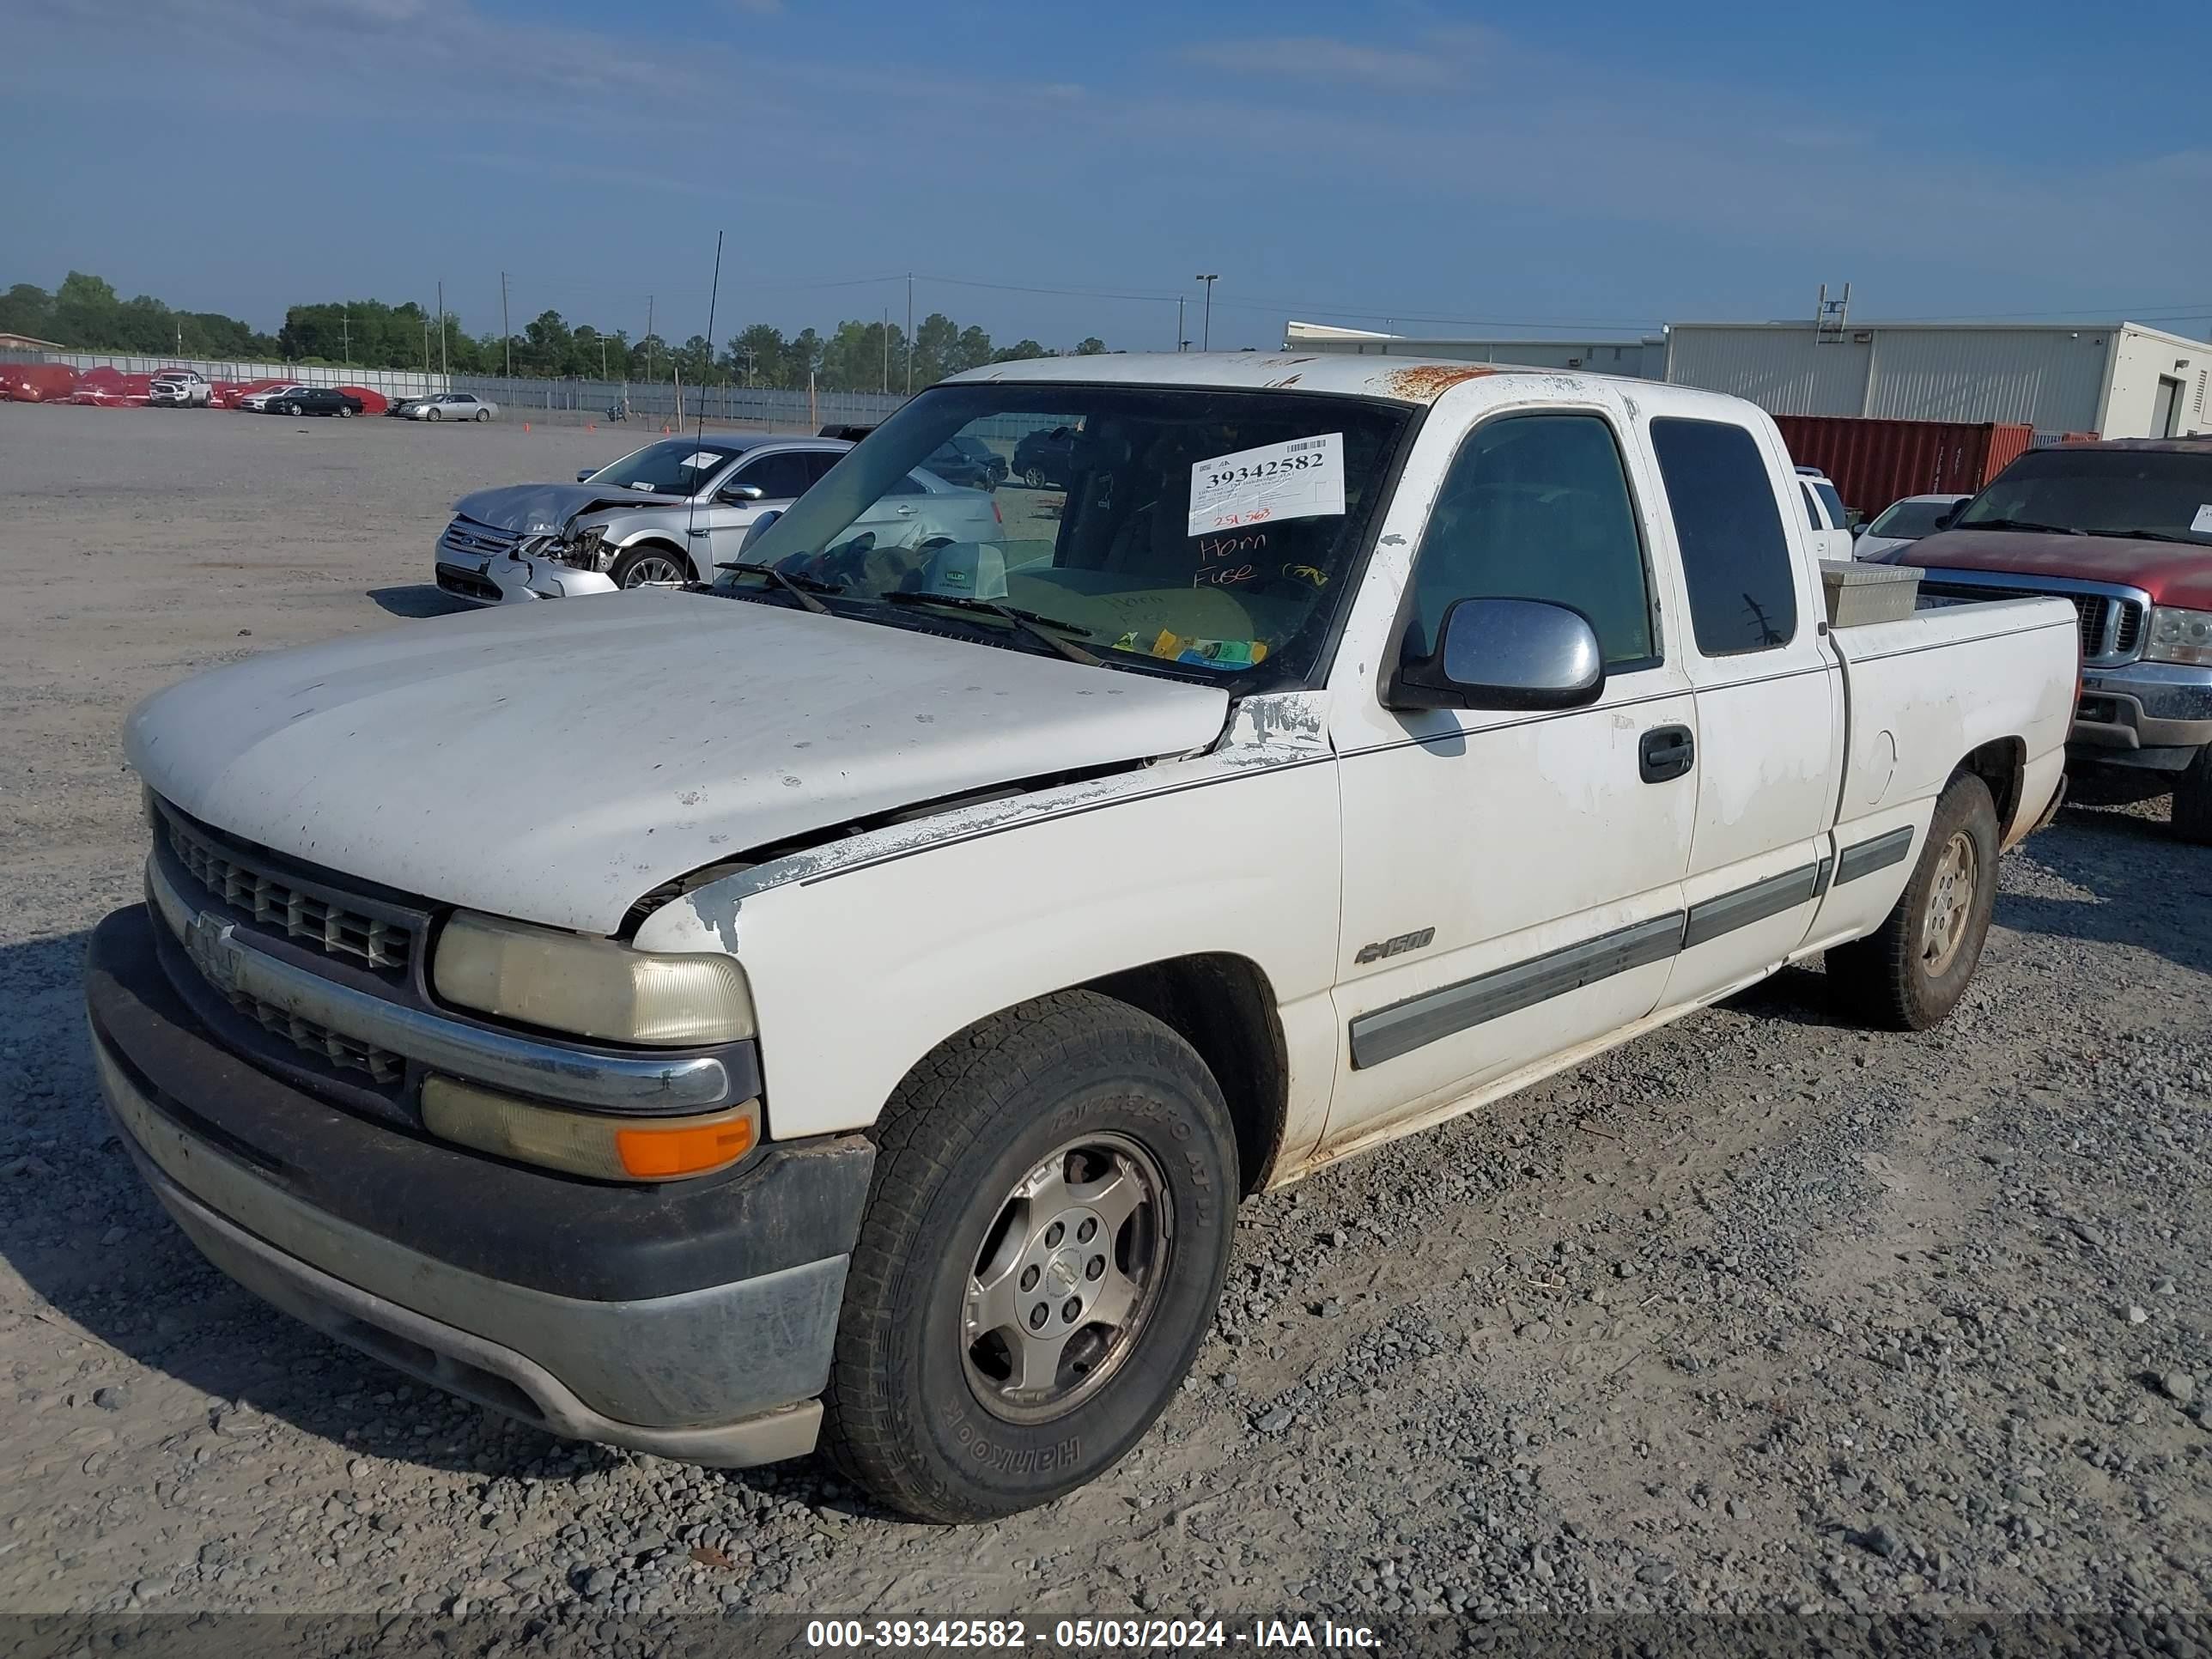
(797, 586)
(2152, 535)
(2022, 524)
(1028, 621)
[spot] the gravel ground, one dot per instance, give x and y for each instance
(1761, 1314)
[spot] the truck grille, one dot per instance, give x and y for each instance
(283, 905)
(2111, 625)
(348, 1054)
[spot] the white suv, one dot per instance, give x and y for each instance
(180, 388)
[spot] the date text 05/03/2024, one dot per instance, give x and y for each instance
(1089, 1635)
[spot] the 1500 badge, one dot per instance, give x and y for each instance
(1398, 946)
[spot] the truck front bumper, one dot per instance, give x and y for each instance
(633, 1325)
(2143, 714)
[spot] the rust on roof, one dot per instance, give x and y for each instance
(1427, 382)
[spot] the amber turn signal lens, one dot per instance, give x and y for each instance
(589, 1143)
(663, 1154)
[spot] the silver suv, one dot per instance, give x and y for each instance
(668, 514)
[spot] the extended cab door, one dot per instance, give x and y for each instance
(1512, 882)
(1770, 701)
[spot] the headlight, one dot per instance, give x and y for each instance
(2178, 636)
(589, 1143)
(592, 987)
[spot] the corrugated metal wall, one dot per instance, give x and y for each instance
(1642, 360)
(1783, 370)
(2048, 378)
(1874, 463)
(2052, 380)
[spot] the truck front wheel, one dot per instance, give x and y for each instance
(2192, 800)
(1910, 972)
(1047, 1227)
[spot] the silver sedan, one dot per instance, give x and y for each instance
(453, 406)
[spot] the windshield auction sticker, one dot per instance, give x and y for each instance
(1301, 479)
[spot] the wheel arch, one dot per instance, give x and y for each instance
(658, 538)
(1223, 1005)
(2002, 765)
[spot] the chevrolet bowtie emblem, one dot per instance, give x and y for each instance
(206, 941)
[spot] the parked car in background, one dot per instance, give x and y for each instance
(1825, 514)
(313, 400)
(180, 388)
(453, 406)
(405, 407)
(1902, 523)
(670, 513)
(2123, 529)
(259, 402)
(1045, 456)
(969, 462)
(846, 432)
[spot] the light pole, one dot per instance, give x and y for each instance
(1181, 343)
(1206, 329)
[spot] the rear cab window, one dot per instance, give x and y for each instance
(1736, 561)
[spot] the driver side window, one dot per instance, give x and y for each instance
(1537, 506)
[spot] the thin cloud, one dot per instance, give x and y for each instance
(1319, 57)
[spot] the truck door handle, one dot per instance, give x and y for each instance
(1665, 752)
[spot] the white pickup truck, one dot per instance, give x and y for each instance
(877, 1055)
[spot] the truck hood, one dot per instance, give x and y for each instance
(2169, 572)
(541, 509)
(555, 763)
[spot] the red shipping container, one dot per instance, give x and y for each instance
(1874, 463)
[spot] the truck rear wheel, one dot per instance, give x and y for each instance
(1910, 972)
(1050, 1218)
(2192, 800)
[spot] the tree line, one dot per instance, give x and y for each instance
(85, 313)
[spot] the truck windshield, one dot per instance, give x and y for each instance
(675, 466)
(2163, 495)
(1187, 530)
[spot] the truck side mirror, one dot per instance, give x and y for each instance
(585, 473)
(753, 531)
(1504, 654)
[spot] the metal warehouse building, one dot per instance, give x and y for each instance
(2120, 380)
(1643, 360)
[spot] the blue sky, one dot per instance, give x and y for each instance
(1588, 169)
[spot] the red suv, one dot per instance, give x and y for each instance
(2125, 530)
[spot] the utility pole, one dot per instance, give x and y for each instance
(503, 331)
(180, 338)
(910, 334)
(442, 325)
(887, 351)
(1182, 344)
(603, 356)
(1206, 336)
(648, 339)
(345, 336)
